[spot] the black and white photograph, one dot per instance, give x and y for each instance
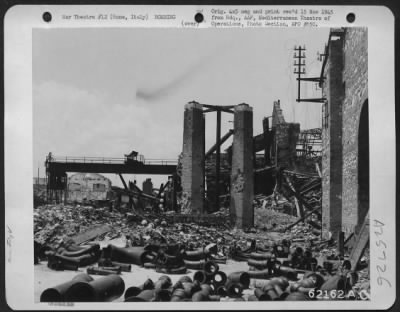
(174, 164)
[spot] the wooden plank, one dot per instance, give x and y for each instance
(361, 243)
(91, 234)
(340, 241)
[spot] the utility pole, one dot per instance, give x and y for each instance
(299, 66)
(218, 160)
(299, 69)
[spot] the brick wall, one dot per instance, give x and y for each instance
(355, 76)
(346, 90)
(332, 141)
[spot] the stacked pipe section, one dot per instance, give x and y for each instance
(83, 288)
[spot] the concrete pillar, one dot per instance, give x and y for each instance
(242, 176)
(332, 151)
(193, 159)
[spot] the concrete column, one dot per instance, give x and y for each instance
(242, 176)
(193, 159)
(332, 159)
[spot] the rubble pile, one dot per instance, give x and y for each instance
(39, 195)
(53, 223)
(286, 258)
(271, 219)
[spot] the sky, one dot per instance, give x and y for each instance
(105, 92)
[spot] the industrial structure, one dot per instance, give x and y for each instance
(200, 179)
(318, 177)
(345, 136)
(251, 165)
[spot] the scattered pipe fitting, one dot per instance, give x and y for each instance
(185, 279)
(199, 296)
(191, 288)
(234, 289)
(149, 265)
(222, 291)
(238, 299)
(312, 279)
(145, 296)
(219, 260)
(252, 298)
(54, 260)
(166, 270)
(80, 252)
(211, 248)
(296, 296)
(336, 282)
(240, 277)
(316, 276)
(132, 255)
(262, 274)
(178, 295)
(207, 288)
(134, 291)
(58, 265)
(203, 294)
(106, 288)
(210, 268)
(282, 282)
(285, 271)
(102, 271)
(72, 246)
(200, 276)
(261, 295)
(163, 282)
(57, 293)
(352, 279)
(259, 264)
(194, 255)
(261, 256)
(270, 292)
(214, 298)
(163, 294)
(275, 288)
(194, 265)
(180, 270)
(219, 279)
(124, 266)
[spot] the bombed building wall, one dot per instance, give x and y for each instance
(345, 159)
(355, 129)
(286, 136)
(225, 175)
(90, 186)
(147, 186)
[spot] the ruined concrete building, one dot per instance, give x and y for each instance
(285, 136)
(193, 163)
(88, 186)
(345, 131)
